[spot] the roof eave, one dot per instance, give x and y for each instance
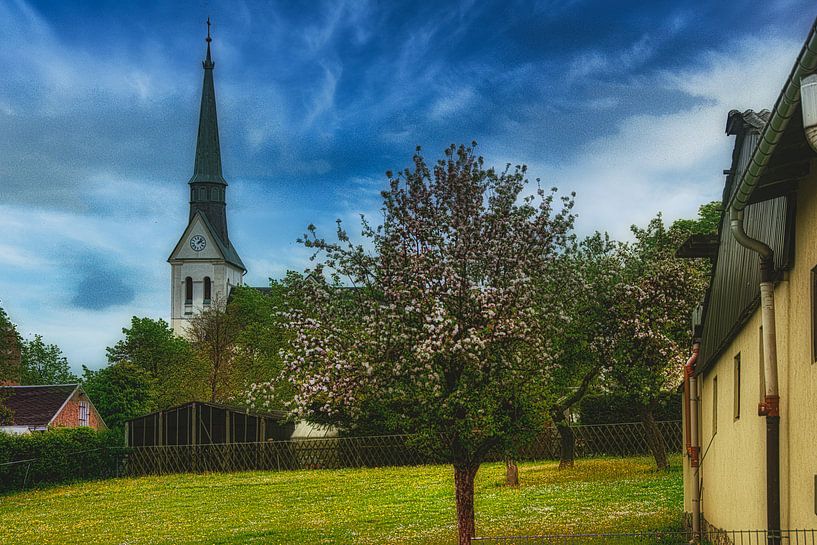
(784, 108)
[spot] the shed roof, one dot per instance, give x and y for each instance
(36, 405)
(277, 415)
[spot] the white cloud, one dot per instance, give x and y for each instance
(672, 162)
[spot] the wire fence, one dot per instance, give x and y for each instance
(719, 537)
(626, 439)
(618, 440)
(376, 451)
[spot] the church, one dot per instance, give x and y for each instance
(205, 265)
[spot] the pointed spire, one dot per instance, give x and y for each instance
(208, 152)
(208, 62)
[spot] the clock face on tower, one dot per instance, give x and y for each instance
(198, 243)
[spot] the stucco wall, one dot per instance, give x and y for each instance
(733, 469)
(799, 406)
(733, 459)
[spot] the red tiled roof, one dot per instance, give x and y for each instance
(35, 405)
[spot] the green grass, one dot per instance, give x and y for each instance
(366, 506)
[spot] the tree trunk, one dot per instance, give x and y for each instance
(464, 490)
(511, 473)
(654, 439)
(567, 439)
(567, 444)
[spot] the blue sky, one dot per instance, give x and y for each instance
(625, 104)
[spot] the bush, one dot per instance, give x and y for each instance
(58, 455)
(616, 408)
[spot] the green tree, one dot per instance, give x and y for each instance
(6, 414)
(583, 286)
(44, 364)
(707, 222)
(120, 391)
(262, 334)
(10, 350)
(171, 361)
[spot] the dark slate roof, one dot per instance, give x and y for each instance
(36, 405)
(737, 121)
(733, 293)
(208, 151)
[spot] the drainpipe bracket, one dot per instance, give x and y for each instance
(769, 407)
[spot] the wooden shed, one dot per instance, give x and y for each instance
(203, 423)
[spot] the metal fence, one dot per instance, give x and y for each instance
(720, 537)
(374, 451)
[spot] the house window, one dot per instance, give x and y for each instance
(207, 289)
(83, 413)
(737, 387)
(814, 314)
(188, 291)
(714, 405)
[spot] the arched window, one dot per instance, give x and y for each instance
(188, 291)
(207, 290)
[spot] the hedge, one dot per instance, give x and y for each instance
(614, 409)
(58, 455)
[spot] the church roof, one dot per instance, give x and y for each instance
(207, 167)
(227, 250)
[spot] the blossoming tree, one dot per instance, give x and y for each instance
(431, 323)
(651, 339)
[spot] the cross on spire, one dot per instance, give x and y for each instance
(208, 61)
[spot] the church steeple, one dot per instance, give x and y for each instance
(207, 186)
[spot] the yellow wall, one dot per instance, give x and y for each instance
(799, 407)
(733, 459)
(733, 470)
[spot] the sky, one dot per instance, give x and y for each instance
(624, 103)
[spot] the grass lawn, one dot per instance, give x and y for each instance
(371, 506)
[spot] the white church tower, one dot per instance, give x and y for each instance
(204, 264)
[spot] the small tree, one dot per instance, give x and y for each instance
(120, 391)
(213, 334)
(151, 344)
(440, 333)
(44, 364)
(652, 306)
(10, 351)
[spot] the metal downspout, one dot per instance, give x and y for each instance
(770, 408)
(694, 448)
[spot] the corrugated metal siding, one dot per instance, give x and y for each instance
(735, 284)
(735, 290)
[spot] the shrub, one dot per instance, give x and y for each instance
(58, 455)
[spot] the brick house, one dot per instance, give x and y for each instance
(36, 408)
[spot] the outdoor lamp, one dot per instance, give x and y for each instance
(808, 102)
